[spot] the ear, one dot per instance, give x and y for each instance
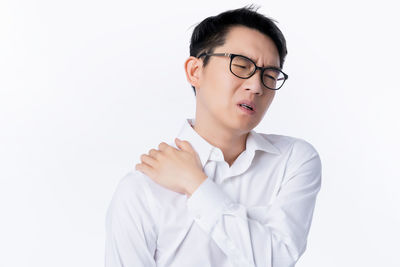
(193, 68)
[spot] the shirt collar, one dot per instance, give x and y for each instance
(254, 142)
(202, 147)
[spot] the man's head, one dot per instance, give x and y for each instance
(218, 91)
(212, 31)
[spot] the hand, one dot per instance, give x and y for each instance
(178, 170)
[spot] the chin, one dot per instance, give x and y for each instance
(244, 124)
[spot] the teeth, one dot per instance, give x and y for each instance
(246, 106)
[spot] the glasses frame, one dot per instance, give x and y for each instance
(232, 56)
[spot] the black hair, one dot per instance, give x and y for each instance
(212, 31)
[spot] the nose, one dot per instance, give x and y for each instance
(254, 83)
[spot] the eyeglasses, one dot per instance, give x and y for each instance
(243, 67)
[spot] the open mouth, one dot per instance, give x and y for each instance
(246, 109)
(246, 106)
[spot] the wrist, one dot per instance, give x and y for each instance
(195, 183)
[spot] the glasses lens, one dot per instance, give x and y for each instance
(273, 79)
(242, 67)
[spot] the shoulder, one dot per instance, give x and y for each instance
(133, 190)
(298, 157)
(131, 209)
(294, 146)
(303, 165)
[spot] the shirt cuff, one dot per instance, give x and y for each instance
(207, 204)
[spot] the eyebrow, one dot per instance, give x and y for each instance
(268, 66)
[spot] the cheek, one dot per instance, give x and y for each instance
(271, 96)
(267, 101)
(221, 87)
(225, 82)
(226, 92)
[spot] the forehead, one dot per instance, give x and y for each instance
(253, 44)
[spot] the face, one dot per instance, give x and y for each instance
(218, 91)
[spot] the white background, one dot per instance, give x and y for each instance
(86, 87)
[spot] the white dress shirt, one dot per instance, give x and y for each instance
(257, 212)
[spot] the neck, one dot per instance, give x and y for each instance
(232, 143)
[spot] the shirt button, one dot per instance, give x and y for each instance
(198, 216)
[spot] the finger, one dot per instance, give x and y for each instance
(146, 169)
(165, 147)
(183, 144)
(148, 160)
(162, 146)
(153, 153)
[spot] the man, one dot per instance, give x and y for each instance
(224, 195)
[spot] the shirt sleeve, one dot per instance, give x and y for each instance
(130, 229)
(274, 235)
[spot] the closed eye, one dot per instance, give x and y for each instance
(240, 66)
(269, 76)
